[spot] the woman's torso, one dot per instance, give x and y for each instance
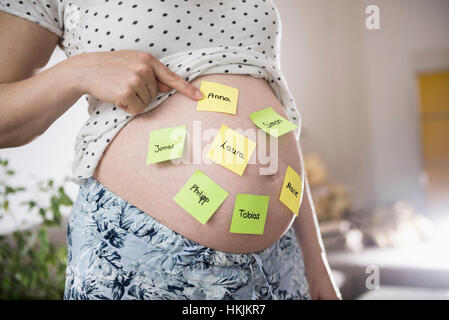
(165, 28)
(123, 169)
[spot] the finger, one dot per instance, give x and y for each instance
(162, 87)
(123, 106)
(143, 93)
(150, 80)
(152, 87)
(134, 103)
(144, 87)
(168, 77)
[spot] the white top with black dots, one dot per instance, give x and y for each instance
(191, 37)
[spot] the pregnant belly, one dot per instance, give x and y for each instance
(151, 188)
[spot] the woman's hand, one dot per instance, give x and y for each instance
(30, 102)
(127, 78)
(321, 286)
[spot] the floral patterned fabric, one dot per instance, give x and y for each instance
(116, 251)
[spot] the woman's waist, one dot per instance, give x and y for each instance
(152, 187)
(122, 224)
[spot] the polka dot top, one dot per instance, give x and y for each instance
(191, 37)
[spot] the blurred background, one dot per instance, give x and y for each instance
(375, 110)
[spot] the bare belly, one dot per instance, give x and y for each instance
(151, 188)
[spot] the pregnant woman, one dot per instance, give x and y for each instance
(140, 64)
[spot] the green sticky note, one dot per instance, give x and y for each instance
(250, 213)
(200, 196)
(272, 122)
(166, 144)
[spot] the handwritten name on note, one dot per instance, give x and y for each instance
(231, 150)
(291, 192)
(272, 122)
(200, 196)
(218, 98)
(203, 198)
(166, 144)
(159, 148)
(250, 213)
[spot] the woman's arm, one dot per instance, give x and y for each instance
(321, 283)
(30, 103)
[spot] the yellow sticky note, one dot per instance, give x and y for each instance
(231, 149)
(250, 213)
(291, 193)
(200, 196)
(218, 98)
(166, 144)
(272, 122)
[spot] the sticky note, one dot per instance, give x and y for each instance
(291, 190)
(231, 149)
(272, 122)
(200, 196)
(166, 144)
(218, 98)
(250, 213)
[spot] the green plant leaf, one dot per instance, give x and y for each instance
(30, 203)
(55, 209)
(43, 213)
(9, 190)
(64, 199)
(31, 266)
(5, 205)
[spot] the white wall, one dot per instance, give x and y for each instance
(322, 58)
(408, 28)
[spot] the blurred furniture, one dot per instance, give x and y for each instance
(405, 293)
(422, 266)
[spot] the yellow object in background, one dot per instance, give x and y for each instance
(291, 193)
(218, 98)
(231, 149)
(434, 94)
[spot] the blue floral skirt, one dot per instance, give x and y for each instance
(116, 251)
